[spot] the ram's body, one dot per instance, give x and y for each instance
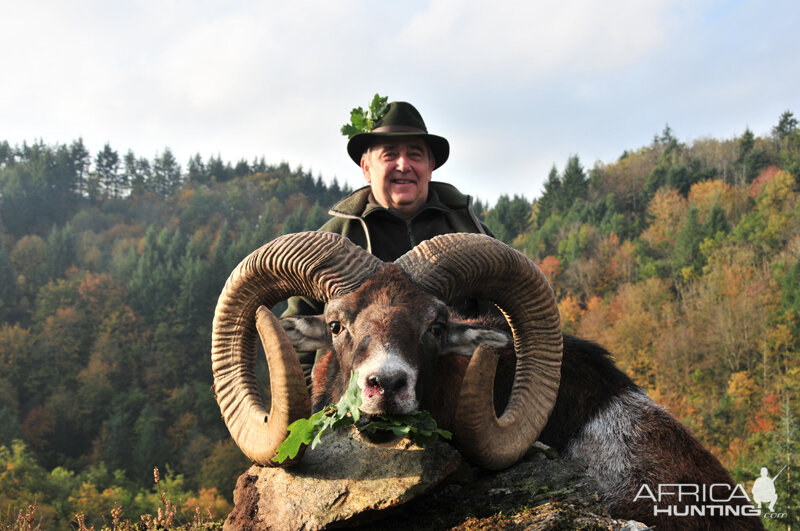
(626, 440)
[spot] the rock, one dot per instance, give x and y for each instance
(536, 493)
(348, 483)
(342, 481)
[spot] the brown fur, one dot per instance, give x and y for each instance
(666, 453)
(387, 312)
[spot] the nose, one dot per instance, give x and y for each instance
(386, 384)
(402, 164)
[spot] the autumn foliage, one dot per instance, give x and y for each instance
(681, 259)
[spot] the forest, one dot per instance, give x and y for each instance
(683, 259)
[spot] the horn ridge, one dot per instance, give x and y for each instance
(313, 264)
(457, 266)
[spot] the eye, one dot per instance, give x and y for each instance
(437, 329)
(336, 327)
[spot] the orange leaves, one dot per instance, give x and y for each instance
(776, 206)
(38, 427)
(760, 424)
(100, 294)
(767, 415)
(208, 501)
(766, 175)
(571, 314)
(705, 194)
(634, 319)
(772, 404)
(736, 452)
(594, 319)
(618, 262)
(551, 267)
(626, 178)
(667, 209)
(741, 388)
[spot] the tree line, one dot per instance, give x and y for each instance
(682, 258)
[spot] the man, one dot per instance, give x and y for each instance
(401, 207)
(764, 489)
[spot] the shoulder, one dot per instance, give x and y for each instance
(462, 216)
(351, 227)
(336, 224)
(450, 195)
(353, 204)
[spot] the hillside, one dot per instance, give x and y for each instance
(682, 259)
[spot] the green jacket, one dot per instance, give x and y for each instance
(387, 236)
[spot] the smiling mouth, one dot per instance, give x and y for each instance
(403, 181)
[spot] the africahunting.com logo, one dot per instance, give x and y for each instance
(718, 499)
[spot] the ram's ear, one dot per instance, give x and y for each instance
(307, 332)
(463, 339)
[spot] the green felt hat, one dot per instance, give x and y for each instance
(401, 119)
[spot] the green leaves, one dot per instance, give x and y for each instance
(420, 426)
(364, 121)
(309, 431)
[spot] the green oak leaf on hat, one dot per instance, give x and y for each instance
(400, 119)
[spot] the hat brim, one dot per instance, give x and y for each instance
(360, 142)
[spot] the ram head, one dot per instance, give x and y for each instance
(389, 322)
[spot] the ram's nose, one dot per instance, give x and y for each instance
(388, 391)
(386, 384)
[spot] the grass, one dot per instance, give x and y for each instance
(163, 519)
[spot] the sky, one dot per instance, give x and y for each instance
(516, 87)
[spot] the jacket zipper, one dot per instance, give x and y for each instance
(410, 235)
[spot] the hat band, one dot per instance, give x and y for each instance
(398, 129)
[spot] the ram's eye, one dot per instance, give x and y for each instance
(437, 329)
(336, 327)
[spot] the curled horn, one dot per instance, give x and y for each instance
(458, 266)
(319, 265)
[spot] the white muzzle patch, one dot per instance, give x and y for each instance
(388, 384)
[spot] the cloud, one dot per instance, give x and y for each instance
(515, 86)
(528, 41)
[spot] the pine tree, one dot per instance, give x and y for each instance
(686, 257)
(786, 125)
(166, 174)
(509, 217)
(80, 160)
(61, 251)
(8, 280)
(196, 171)
(219, 171)
(550, 201)
(242, 168)
(716, 223)
(750, 159)
(574, 184)
(106, 167)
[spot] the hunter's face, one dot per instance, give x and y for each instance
(398, 171)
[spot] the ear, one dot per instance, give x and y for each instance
(307, 332)
(365, 168)
(463, 339)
